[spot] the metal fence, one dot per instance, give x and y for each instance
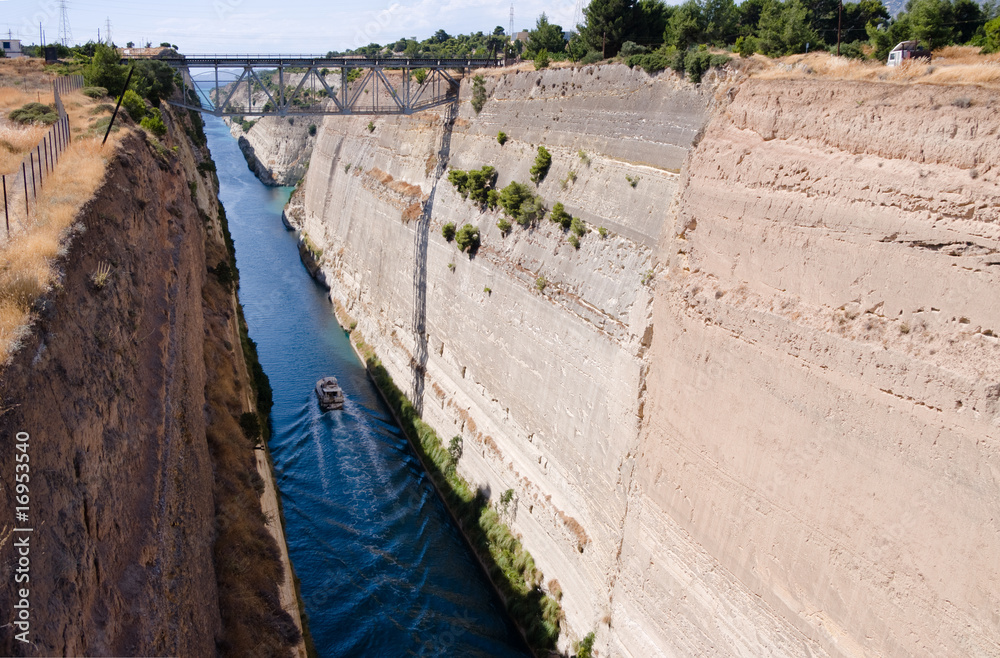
(22, 187)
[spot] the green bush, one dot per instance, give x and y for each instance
(585, 647)
(560, 216)
(475, 184)
(250, 424)
(573, 240)
(540, 283)
(134, 104)
(578, 226)
(630, 48)
(247, 125)
(745, 46)
(602, 231)
(478, 93)
(34, 113)
(467, 237)
(501, 138)
(541, 167)
(542, 60)
(312, 129)
(521, 204)
(94, 92)
(420, 75)
(371, 126)
(592, 57)
(448, 231)
(503, 225)
(153, 122)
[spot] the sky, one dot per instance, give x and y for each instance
(269, 26)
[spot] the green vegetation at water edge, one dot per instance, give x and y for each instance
(510, 566)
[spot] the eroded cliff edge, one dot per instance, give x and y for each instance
(143, 488)
(722, 434)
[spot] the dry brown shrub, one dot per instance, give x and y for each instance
(379, 175)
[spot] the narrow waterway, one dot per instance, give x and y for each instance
(383, 570)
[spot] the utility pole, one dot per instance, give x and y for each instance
(511, 29)
(840, 14)
(108, 30)
(65, 34)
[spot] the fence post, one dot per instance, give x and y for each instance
(24, 177)
(34, 191)
(6, 211)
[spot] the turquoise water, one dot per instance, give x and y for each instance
(383, 570)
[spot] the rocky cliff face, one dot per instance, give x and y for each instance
(122, 387)
(824, 390)
(760, 417)
(276, 148)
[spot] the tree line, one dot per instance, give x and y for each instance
(770, 27)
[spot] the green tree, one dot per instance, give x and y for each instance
(134, 104)
(686, 26)
(542, 60)
(545, 36)
(857, 16)
(931, 22)
(105, 69)
(784, 28)
(651, 17)
(608, 24)
(991, 36)
(467, 237)
(749, 16)
(153, 80)
(541, 167)
(721, 21)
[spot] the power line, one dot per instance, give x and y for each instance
(65, 34)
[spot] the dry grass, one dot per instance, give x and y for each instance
(15, 142)
(955, 65)
(26, 260)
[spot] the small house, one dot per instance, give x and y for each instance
(12, 48)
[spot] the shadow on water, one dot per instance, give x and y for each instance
(384, 571)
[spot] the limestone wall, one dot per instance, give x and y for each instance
(760, 416)
(824, 396)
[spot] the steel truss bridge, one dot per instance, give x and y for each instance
(364, 85)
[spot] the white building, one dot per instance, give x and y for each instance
(12, 47)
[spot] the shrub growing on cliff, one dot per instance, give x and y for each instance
(153, 122)
(520, 203)
(578, 226)
(134, 104)
(501, 138)
(475, 184)
(467, 237)
(312, 129)
(539, 170)
(504, 226)
(585, 647)
(448, 231)
(478, 93)
(250, 424)
(560, 216)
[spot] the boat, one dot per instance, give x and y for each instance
(330, 395)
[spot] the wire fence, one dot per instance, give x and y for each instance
(21, 188)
